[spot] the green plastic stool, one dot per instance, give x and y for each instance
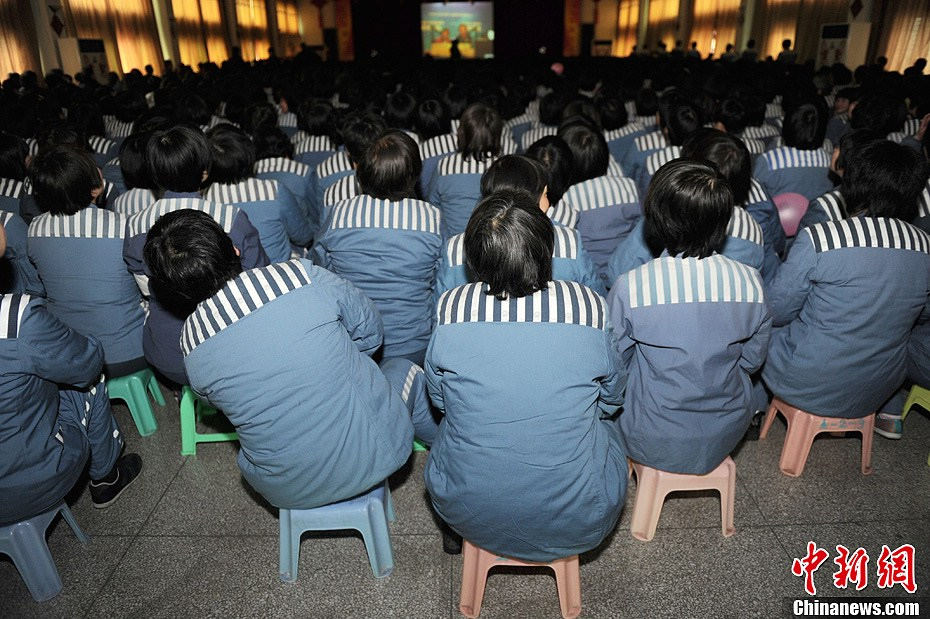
(920, 397)
(132, 390)
(192, 410)
(418, 446)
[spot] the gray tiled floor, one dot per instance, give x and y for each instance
(191, 539)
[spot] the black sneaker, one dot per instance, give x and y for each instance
(104, 491)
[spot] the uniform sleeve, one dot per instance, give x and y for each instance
(762, 173)
(792, 284)
(433, 195)
(17, 252)
(358, 314)
(613, 384)
(813, 215)
(295, 222)
(621, 327)
(587, 273)
(756, 347)
(245, 237)
(433, 377)
(56, 352)
(629, 254)
(447, 276)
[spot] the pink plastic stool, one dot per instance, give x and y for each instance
(475, 574)
(652, 485)
(791, 208)
(804, 426)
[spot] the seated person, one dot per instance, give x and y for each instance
(271, 207)
(679, 119)
(851, 290)
(317, 420)
(14, 153)
(56, 414)
(358, 137)
(313, 141)
(274, 161)
(135, 176)
(436, 139)
(77, 249)
(520, 173)
(387, 243)
(528, 463)
(17, 273)
(730, 116)
(180, 160)
(692, 326)
(556, 159)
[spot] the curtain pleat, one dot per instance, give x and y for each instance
(127, 28)
(714, 25)
(19, 50)
(905, 33)
(627, 23)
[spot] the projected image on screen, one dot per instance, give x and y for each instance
(467, 26)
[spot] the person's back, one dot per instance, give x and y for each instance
(509, 408)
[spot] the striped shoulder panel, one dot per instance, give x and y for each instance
(367, 212)
(923, 205)
(100, 144)
(518, 120)
(12, 308)
(659, 158)
(868, 232)
(439, 145)
(249, 190)
(754, 146)
(911, 126)
(142, 222)
(833, 204)
(630, 108)
(287, 120)
(762, 131)
(623, 131)
(5, 217)
(756, 193)
(646, 121)
(773, 110)
(896, 136)
(343, 189)
(313, 144)
(454, 126)
(456, 164)
(786, 157)
(613, 168)
(218, 120)
(33, 145)
(601, 192)
(114, 162)
(117, 129)
(563, 214)
(651, 141)
(27, 186)
(133, 201)
(565, 246)
(562, 302)
(338, 162)
(536, 134)
(743, 226)
(10, 188)
(240, 297)
(88, 223)
(668, 281)
(280, 164)
(508, 145)
(455, 250)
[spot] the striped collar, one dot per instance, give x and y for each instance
(12, 308)
(248, 191)
(671, 280)
(875, 232)
(565, 246)
(365, 211)
(601, 192)
(142, 222)
(280, 164)
(88, 223)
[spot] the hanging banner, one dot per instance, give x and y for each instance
(572, 43)
(344, 30)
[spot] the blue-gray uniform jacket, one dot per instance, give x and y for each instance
(113, 173)
(431, 151)
(846, 299)
(296, 177)
(655, 161)
(570, 262)
(831, 206)
(11, 192)
(763, 210)
(133, 201)
(390, 251)
(526, 465)
(456, 189)
(273, 211)
(918, 353)
(691, 331)
(311, 150)
(17, 273)
(331, 170)
(535, 133)
(103, 150)
(743, 244)
(634, 161)
(786, 170)
(40, 460)
(620, 141)
(282, 351)
(80, 260)
(340, 191)
(923, 210)
(162, 331)
(608, 208)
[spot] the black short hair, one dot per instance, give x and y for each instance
(479, 132)
(852, 143)
(272, 142)
(431, 119)
(583, 108)
(193, 109)
(189, 259)
(728, 154)
(62, 134)
(13, 154)
(233, 154)
(133, 163)
(884, 179)
(259, 116)
(390, 168)
(613, 113)
(732, 114)
(316, 118)
(551, 107)
(399, 110)
(178, 158)
(805, 125)
(590, 156)
(687, 209)
(63, 178)
(679, 117)
(508, 244)
(514, 172)
(879, 112)
(359, 132)
(646, 102)
(556, 158)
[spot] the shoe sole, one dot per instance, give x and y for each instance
(887, 434)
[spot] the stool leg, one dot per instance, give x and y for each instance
(155, 390)
(188, 424)
(69, 518)
(32, 558)
(797, 445)
(288, 547)
(568, 581)
(389, 503)
(728, 500)
(474, 579)
(140, 408)
(769, 418)
(378, 540)
(648, 506)
(868, 430)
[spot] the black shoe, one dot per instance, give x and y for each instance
(752, 432)
(104, 491)
(451, 542)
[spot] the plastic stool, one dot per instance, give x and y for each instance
(25, 543)
(418, 446)
(132, 390)
(477, 562)
(652, 485)
(920, 397)
(192, 409)
(367, 513)
(804, 426)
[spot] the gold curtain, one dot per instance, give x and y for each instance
(714, 25)
(199, 26)
(253, 29)
(779, 22)
(663, 23)
(627, 22)
(905, 33)
(18, 45)
(289, 26)
(814, 14)
(127, 28)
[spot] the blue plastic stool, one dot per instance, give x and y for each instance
(367, 513)
(132, 390)
(25, 543)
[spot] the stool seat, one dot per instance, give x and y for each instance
(478, 561)
(134, 389)
(25, 543)
(367, 513)
(652, 485)
(804, 426)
